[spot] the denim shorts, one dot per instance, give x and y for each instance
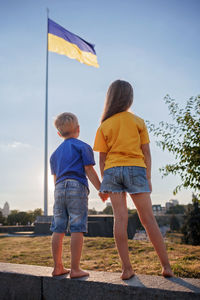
(132, 180)
(70, 207)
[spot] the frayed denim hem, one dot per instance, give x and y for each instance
(120, 192)
(134, 193)
(111, 192)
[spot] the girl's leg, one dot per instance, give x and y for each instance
(76, 250)
(57, 240)
(120, 232)
(143, 204)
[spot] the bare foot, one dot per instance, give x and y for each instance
(127, 274)
(60, 271)
(167, 272)
(78, 273)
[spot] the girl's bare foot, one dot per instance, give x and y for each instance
(127, 274)
(167, 272)
(60, 271)
(78, 273)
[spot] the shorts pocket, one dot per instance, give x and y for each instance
(76, 189)
(109, 172)
(137, 176)
(110, 176)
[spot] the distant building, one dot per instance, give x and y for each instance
(174, 202)
(171, 203)
(5, 210)
(168, 205)
(158, 209)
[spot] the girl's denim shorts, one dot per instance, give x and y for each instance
(70, 207)
(132, 180)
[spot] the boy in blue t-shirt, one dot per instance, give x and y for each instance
(70, 163)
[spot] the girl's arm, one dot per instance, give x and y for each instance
(93, 177)
(102, 159)
(147, 159)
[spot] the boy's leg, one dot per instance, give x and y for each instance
(143, 204)
(120, 232)
(77, 206)
(57, 239)
(76, 250)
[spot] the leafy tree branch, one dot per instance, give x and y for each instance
(181, 138)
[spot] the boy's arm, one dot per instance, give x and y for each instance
(93, 177)
(147, 159)
(102, 159)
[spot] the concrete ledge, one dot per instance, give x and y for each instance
(35, 282)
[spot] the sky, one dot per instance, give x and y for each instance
(153, 44)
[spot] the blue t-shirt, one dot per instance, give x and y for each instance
(69, 159)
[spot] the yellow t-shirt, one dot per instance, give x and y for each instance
(121, 136)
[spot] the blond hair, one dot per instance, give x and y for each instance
(66, 123)
(118, 99)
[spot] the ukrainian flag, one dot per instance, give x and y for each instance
(66, 43)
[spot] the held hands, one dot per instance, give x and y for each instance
(103, 196)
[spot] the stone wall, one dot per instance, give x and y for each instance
(13, 229)
(98, 225)
(18, 282)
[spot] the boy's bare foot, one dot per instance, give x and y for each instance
(60, 271)
(127, 274)
(78, 273)
(167, 272)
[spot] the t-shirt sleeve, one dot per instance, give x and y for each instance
(144, 136)
(100, 142)
(87, 155)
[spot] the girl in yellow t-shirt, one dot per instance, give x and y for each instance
(125, 163)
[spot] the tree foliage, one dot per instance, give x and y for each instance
(22, 217)
(174, 223)
(92, 211)
(108, 210)
(191, 226)
(2, 219)
(37, 212)
(182, 139)
(177, 209)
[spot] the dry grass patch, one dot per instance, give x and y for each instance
(101, 254)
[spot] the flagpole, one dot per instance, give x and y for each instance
(46, 132)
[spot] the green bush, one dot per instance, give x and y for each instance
(191, 226)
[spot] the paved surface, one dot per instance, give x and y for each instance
(138, 287)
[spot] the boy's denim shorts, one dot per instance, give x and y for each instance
(132, 180)
(70, 207)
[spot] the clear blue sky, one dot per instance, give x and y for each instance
(153, 44)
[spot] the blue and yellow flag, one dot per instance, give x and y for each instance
(66, 43)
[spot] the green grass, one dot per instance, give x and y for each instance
(101, 254)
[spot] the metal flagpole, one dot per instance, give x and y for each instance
(46, 133)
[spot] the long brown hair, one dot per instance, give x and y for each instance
(118, 99)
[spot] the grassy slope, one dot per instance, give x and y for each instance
(101, 254)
